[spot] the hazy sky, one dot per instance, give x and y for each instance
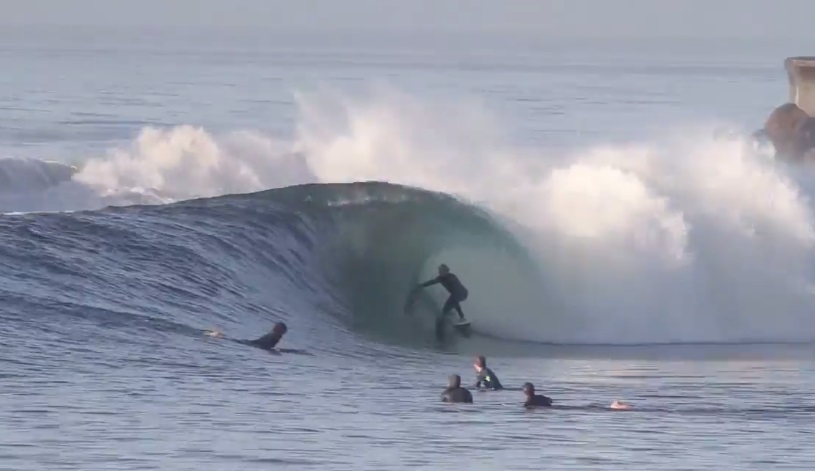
(694, 18)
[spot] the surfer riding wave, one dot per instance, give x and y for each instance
(450, 282)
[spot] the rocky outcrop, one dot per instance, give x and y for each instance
(791, 131)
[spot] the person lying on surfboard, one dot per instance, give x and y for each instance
(267, 342)
(458, 293)
(270, 340)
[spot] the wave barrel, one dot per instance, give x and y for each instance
(801, 73)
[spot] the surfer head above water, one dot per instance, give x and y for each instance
(271, 339)
(485, 375)
(454, 391)
(452, 284)
(535, 400)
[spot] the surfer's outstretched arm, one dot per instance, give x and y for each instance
(411, 298)
(427, 283)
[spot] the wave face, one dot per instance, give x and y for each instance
(687, 238)
(348, 252)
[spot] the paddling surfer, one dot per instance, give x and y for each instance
(270, 340)
(266, 342)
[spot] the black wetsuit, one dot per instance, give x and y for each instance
(267, 342)
(489, 379)
(458, 292)
(457, 395)
(538, 401)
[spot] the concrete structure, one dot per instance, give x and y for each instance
(801, 73)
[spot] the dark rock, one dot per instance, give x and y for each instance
(791, 131)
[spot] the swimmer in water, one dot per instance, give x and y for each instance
(270, 340)
(450, 282)
(485, 375)
(535, 400)
(455, 393)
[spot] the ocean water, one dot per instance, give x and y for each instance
(621, 236)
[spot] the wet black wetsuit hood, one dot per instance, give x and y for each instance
(535, 400)
(454, 391)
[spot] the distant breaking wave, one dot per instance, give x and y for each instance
(18, 175)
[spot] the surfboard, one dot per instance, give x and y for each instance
(461, 327)
(295, 351)
(281, 351)
(220, 335)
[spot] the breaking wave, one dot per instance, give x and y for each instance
(688, 238)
